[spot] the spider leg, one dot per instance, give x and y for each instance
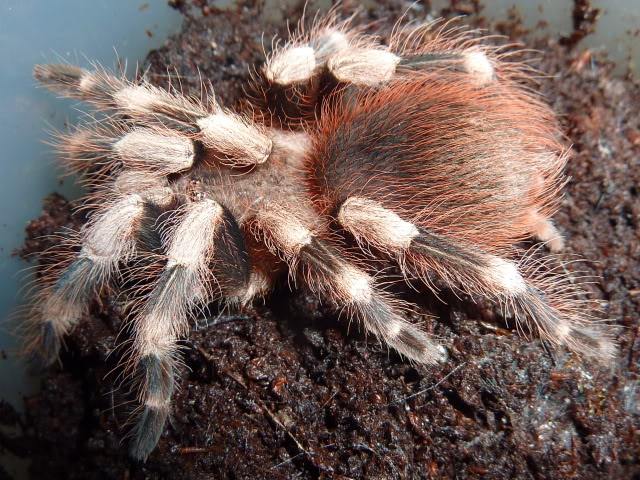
(107, 240)
(474, 62)
(328, 273)
(265, 269)
(100, 150)
(358, 59)
(544, 301)
(429, 48)
(545, 231)
(374, 65)
(306, 70)
(227, 136)
(437, 48)
(204, 252)
(351, 59)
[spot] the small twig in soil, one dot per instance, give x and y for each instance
(431, 387)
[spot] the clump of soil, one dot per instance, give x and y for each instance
(282, 391)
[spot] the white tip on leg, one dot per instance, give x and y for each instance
(556, 243)
(192, 240)
(562, 332)
(394, 328)
(157, 151)
(286, 230)
(136, 99)
(607, 349)
(479, 65)
(110, 237)
(291, 65)
(232, 136)
(363, 66)
(505, 276)
(355, 285)
(545, 231)
(89, 81)
(370, 221)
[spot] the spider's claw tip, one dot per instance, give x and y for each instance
(46, 350)
(147, 433)
(595, 344)
(444, 354)
(57, 74)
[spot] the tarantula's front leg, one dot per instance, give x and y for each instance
(107, 240)
(345, 284)
(543, 298)
(205, 252)
(173, 120)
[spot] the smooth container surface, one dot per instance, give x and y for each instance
(41, 31)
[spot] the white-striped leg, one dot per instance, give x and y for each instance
(370, 66)
(436, 47)
(359, 60)
(345, 284)
(545, 231)
(307, 53)
(103, 150)
(228, 137)
(182, 285)
(535, 294)
(474, 63)
(107, 240)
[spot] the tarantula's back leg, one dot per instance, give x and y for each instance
(373, 65)
(297, 78)
(545, 230)
(171, 121)
(106, 241)
(444, 176)
(348, 286)
(535, 293)
(205, 254)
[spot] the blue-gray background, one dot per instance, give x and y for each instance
(41, 31)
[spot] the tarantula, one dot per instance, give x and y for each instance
(428, 154)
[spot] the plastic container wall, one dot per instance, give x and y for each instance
(41, 31)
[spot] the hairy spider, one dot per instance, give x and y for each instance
(428, 154)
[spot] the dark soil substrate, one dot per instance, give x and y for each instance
(282, 391)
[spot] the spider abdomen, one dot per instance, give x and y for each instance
(448, 156)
